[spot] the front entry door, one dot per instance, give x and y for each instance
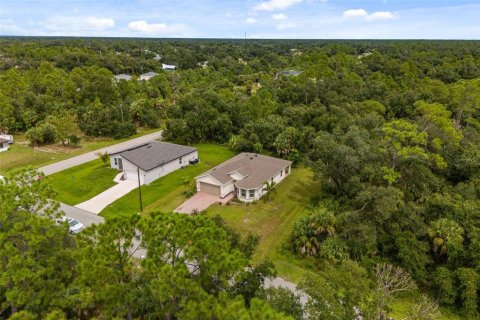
(120, 164)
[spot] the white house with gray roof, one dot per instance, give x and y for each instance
(244, 175)
(152, 160)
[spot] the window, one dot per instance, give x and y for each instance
(115, 160)
(252, 193)
(281, 173)
(243, 193)
(287, 171)
(180, 160)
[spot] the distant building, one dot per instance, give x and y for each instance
(147, 76)
(122, 76)
(157, 57)
(288, 73)
(364, 55)
(168, 67)
(4, 145)
(203, 64)
(7, 137)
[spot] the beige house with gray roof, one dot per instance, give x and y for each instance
(244, 175)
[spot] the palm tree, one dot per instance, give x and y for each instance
(269, 188)
(445, 233)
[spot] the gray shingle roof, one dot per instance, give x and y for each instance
(256, 168)
(154, 154)
(3, 140)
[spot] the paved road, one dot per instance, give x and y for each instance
(86, 157)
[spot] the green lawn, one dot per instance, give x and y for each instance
(273, 222)
(401, 306)
(82, 182)
(21, 155)
(166, 193)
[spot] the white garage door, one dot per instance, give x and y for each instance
(210, 188)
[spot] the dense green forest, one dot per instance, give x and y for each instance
(391, 130)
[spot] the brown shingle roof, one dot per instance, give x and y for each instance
(256, 168)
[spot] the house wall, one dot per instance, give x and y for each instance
(169, 167)
(130, 171)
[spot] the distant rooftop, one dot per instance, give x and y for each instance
(149, 74)
(289, 73)
(122, 76)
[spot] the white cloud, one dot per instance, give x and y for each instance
(143, 26)
(279, 16)
(250, 20)
(380, 15)
(79, 24)
(353, 13)
(272, 5)
(8, 27)
(362, 13)
(284, 26)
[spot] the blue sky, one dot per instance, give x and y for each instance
(293, 19)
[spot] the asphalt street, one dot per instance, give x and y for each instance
(89, 156)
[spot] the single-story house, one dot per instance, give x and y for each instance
(244, 175)
(122, 76)
(147, 76)
(287, 73)
(152, 160)
(7, 137)
(4, 144)
(168, 67)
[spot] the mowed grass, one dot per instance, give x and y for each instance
(82, 182)
(21, 154)
(166, 193)
(273, 222)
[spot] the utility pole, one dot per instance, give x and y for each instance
(139, 189)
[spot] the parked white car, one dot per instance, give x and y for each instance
(74, 226)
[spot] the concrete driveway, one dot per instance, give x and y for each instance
(89, 156)
(102, 200)
(201, 201)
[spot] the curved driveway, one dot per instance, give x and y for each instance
(89, 156)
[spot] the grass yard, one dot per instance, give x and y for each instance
(166, 193)
(273, 222)
(401, 306)
(21, 154)
(82, 182)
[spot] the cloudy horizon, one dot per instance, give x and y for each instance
(284, 19)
